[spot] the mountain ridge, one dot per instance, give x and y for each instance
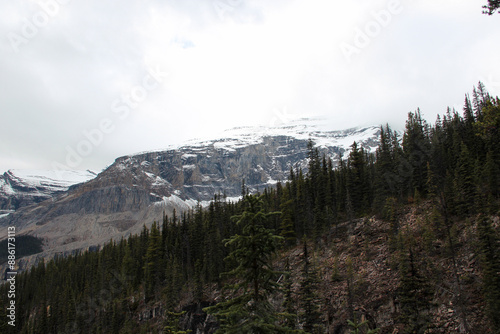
(140, 188)
(22, 187)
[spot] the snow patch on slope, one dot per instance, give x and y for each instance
(40, 182)
(301, 129)
(50, 179)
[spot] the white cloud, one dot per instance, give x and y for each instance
(229, 63)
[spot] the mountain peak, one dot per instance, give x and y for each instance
(138, 189)
(22, 187)
(306, 128)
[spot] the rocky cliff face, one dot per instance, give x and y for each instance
(137, 189)
(20, 188)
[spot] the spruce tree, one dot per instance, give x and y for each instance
(310, 315)
(384, 170)
(172, 323)
(287, 228)
(356, 179)
(492, 7)
(466, 185)
(359, 327)
(416, 147)
(289, 304)
(152, 261)
(489, 249)
(249, 310)
(414, 293)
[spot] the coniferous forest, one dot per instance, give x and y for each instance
(405, 240)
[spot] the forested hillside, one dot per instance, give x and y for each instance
(403, 241)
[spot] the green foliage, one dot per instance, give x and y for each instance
(357, 181)
(414, 293)
(152, 268)
(451, 168)
(172, 323)
(250, 310)
(287, 228)
(489, 249)
(309, 300)
(416, 148)
(361, 327)
(492, 7)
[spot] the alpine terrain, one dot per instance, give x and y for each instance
(286, 229)
(20, 188)
(138, 189)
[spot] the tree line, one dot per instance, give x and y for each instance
(453, 165)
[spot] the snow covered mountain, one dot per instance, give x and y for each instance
(25, 187)
(137, 189)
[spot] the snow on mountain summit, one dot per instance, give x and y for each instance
(19, 187)
(302, 129)
(314, 129)
(57, 180)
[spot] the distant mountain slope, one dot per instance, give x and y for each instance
(137, 189)
(25, 187)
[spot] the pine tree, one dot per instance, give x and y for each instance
(489, 249)
(314, 173)
(384, 170)
(416, 153)
(356, 179)
(491, 7)
(250, 311)
(172, 323)
(358, 327)
(289, 306)
(310, 316)
(414, 294)
(466, 185)
(152, 261)
(214, 254)
(287, 228)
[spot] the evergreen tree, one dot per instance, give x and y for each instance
(490, 183)
(250, 311)
(416, 153)
(414, 294)
(310, 316)
(466, 185)
(357, 179)
(288, 302)
(172, 323)
(358, 327)
(214, 254)
(152, 262)
(384, 169)
(491, 7)
(489, 249)
(287, 228)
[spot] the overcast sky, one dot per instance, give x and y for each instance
(83, 82)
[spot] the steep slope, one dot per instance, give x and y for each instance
(20, 188)
(138, 189)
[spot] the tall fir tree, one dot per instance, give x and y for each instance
(416, 147)
(414, 293)
(357, 179)
(309, 300)
(152, 260)
(465, 182)
(249, 310)
(489, 249)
